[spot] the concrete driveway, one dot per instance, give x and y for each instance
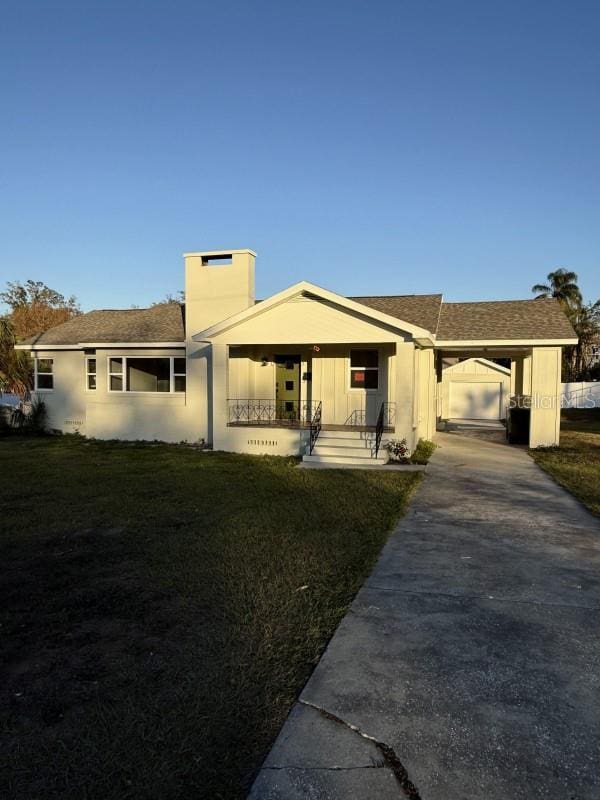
(469, 664)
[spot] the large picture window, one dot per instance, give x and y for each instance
(44, 374)
(364, 369)
(146, 374)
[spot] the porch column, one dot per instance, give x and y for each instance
(220, 381)
(426, 389)
(516, 375)
(404, 392)
(544, 429)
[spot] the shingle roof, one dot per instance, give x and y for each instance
(161, 323)
(504, 319)
(488, 320)
(417, 309)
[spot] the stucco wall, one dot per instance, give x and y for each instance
(66, 403)
(101, 414)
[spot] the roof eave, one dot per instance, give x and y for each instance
(105, 345)
(442, 343)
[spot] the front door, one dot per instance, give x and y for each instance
(287, 387)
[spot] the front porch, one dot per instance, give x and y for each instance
(274, 413)
(281, 398)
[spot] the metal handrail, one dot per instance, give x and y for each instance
(379, 428)
(315, 427)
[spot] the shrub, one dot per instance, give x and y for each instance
(398, 450)
(29, 421)
(422, 452)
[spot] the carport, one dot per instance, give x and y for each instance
(535, 383)
(530, 335)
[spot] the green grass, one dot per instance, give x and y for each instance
(161, 608)
(575, 464)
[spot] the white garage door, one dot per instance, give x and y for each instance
(475, 400)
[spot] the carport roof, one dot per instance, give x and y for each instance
(504, 319)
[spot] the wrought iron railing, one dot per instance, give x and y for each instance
(315, 427)
(379, 428)
(358, 418)
(269, 412)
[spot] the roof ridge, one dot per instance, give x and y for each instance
(413, 294)
(479, 302)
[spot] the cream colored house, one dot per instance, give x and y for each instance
(305, 371)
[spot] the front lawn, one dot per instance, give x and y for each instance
(161, 607)
(576, 463)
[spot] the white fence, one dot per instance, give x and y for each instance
(581, 395)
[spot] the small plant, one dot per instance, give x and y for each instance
(422, 452)
(37, 417)
(398, 450)
(30, 420)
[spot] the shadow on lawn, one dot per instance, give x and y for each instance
(155, 625)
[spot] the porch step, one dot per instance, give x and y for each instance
(346, 433)
(326, 449)
(343, 460)
(346, 448)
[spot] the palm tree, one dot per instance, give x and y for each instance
(15, 365)
(562, 284)
(586, 322)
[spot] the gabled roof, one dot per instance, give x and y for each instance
(541, 319)
(161, 323)
(485, 361)
(312, 290)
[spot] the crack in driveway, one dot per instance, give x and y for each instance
(390, 758)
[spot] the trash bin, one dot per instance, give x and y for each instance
(519, 416)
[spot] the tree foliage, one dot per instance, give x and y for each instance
(16, 373)
(178, 297)
(584, 317)
(562, 284)
(35, 307)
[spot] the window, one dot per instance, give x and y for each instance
(289, 386)
(44, 374)
(179, 374)
(90, 374)
(146, 374)
(364, 369)
(115, 374)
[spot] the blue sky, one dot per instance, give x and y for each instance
(369, 147)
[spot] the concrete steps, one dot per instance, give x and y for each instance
(346, 448)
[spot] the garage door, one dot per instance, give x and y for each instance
(475, 400)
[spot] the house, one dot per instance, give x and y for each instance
(305, 371)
